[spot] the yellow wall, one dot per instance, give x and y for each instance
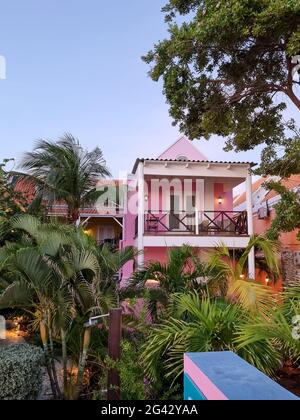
(92, 226)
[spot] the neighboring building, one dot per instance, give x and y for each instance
(263, 215)
(181, 197)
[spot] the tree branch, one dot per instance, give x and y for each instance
(290, 82)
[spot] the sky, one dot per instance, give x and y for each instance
(75, 66)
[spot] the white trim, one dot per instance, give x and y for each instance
(236, 242)
(249, 200)
(102, 216)
(196, 169)
(141, 213)
(119, 223)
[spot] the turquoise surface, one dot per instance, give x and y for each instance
(191, 391)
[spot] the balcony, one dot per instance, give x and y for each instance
(207, 223)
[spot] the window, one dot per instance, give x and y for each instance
(182, 158)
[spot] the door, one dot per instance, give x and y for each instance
(106, 233)
(174, 213)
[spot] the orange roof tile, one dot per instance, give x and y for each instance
(26, 188)
(289, 183)
(255, 186)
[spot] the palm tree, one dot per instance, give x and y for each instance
(279, 326)
(48, 279)
(181, 273)
(203, 325)
(58, 275)
(227, 268)
(64, 171)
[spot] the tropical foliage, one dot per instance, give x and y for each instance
(204, 325)
(223, 313)
(181, 273)
(11, 202)
(250, 294)
(20, 372)
(55, 274)
(63, 171)
(287, 211)
(221, 274)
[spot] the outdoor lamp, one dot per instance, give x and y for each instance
(220, 200)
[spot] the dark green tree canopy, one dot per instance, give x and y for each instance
(11, 201)
(287, 211)
(229, 68)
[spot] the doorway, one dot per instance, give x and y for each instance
(174, 212)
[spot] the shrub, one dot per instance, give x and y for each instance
(20, 372)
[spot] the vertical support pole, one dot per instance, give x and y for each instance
(2, 328)
(114, 353)
(197, 221)
(251, 258)
(141, 213)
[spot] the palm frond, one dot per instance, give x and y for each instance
(270, 250)
(17, 295)
(252, 296)
(27, 223)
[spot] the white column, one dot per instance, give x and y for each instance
(197, 221)
(251, 258)
(141, 213)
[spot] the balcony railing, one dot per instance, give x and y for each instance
(218, 223)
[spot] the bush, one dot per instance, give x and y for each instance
(20, 372)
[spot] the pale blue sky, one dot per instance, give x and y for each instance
(74, 65)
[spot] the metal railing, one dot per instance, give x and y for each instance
(197, 223)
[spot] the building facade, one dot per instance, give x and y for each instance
(179, 198)
(264, 202)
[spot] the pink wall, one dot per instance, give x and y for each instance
(156, 254)
(128, 234)
(158, 199)
(227, 197)
(183, 147)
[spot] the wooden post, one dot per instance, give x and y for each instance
(114, 353)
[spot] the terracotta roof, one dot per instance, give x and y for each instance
(290, 183)
(59, 208)
(26, 188)
(188, 161)
(255, 186)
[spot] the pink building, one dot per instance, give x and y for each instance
(181, 197)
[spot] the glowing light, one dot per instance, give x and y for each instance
(220, 200)
(151, 283)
